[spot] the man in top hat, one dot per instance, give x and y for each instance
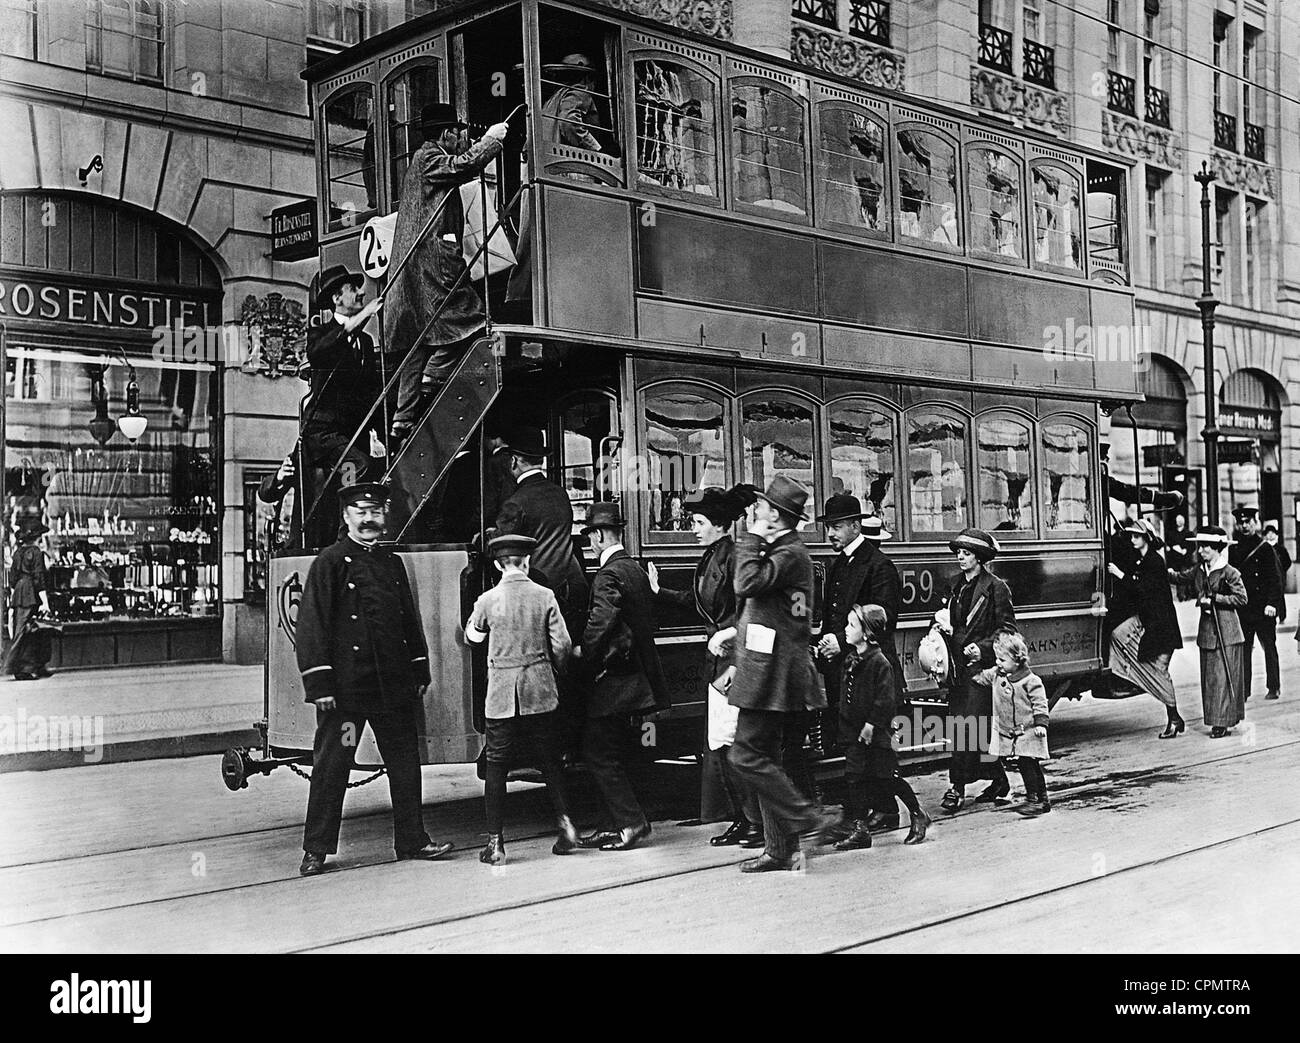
(980, 606)
(363, 658)
(29, 593)
(775, 682)
(1257, 562)
(435, 280)
(620, 660)
(345, 383)
(859, 574)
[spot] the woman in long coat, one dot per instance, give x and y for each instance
(1148, 633)
(713, 596)
(1219, 590)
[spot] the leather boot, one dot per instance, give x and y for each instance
(733, 834)
(920, 823)
(859, 838)
(495, 852)
(753, 837)
(567, 842)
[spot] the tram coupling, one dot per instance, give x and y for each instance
(239, 762)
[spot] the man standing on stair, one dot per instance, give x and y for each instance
(435, 280)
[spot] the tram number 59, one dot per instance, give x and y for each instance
(918, 586)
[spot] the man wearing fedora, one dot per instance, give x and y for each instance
(775, 682)
(626, 680)
(28, 594)
(434, 310)
(363, 659)
(345, 382)
(1255, 559)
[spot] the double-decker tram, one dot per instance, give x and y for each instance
(731, 267)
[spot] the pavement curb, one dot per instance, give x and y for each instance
(157, 748)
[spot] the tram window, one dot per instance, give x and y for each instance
(1106, 242)
(936, 465)
(676, 127)
(1057, 217)
(350, 157)
(588, 450)
(862, 458)
(851, 168)
(777, 434)
(927, 188)
(1065, 461)
(685, 451)
(578, 110)
(767, 125)
(405, 95)
(993, 181)
(1005, 475)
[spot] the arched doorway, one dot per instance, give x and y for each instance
(1250, 450)
(93, 292)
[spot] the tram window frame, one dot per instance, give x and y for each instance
(811, 530)
(821, 193)
(1020, 259)
(792, 93)
(958, 193)
(1104, 269)
(893, 414)
(1094, 502)
(1081, 233)
(638, 484)
(393, 183)
(914, 533)
(1027, 421)
(612, 488)
(352, 219)
(675, 56)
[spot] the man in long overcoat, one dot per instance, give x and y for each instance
(1257, 562)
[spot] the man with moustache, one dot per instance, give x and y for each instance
(363, 658)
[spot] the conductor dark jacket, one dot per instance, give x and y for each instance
(865, 577)
(978, 609)
(618, 644)
(1145, 593)
(359, 638)
(774, 588)
(344, 385)
(547, 516)
(1255, 559)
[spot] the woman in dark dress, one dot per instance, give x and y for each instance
(712, 595)
(1144, 640)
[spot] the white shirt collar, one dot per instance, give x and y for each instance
(609, 552)
(531, 470)
(339, 318)
(851, 549)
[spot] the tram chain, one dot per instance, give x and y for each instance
(351, 785)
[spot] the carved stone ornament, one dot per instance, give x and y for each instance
(1244, 175)
(707, 17)
(1131, 137)
(1008, 96)
(833, 52)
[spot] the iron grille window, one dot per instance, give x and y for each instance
(1120, 91)
(869, 19)
(18, 28)
(995, 47)
(1040, 64)
(1157, 107)
(820, 11)
(1225, 131)
(124, 38)
(1254, 141)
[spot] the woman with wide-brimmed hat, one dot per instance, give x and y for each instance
(1143, 642)
(28, 593)
(1219, 591)
(980, 606)
(713, 511)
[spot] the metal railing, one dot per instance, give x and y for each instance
(1225, 131)
(820, 11)
(1040, 64)
(1254, 141)
(1121, 93)
(1157, 107)
(995, 47)
(869, 20)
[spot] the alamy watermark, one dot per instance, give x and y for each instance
(45, 733)
(1099, 343)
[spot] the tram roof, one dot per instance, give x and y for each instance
(394, 38)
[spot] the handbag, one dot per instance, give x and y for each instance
(499, 254)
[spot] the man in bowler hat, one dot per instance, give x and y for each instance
(775, 679)
(363, 658)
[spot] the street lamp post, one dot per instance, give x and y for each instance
(1207, 303)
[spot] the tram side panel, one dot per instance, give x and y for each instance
(447, 734)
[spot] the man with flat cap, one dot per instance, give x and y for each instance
(1255, 559)
(859, 574)
(775, 682)
(363, 658)
(435, 281)
(619, 659)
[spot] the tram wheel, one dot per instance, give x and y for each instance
(234, 769)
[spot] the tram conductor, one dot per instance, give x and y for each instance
(363, 659)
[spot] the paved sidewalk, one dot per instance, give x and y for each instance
(129, 713)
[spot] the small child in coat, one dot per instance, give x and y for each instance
(528, 644)
(1019, 717)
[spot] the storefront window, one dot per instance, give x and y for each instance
(862, 458)
(851, 169)
(684, 453)
(767, 147)
(936, 466)
(1005, 488)
(134, 527)
(778, 439)
(676, 144)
